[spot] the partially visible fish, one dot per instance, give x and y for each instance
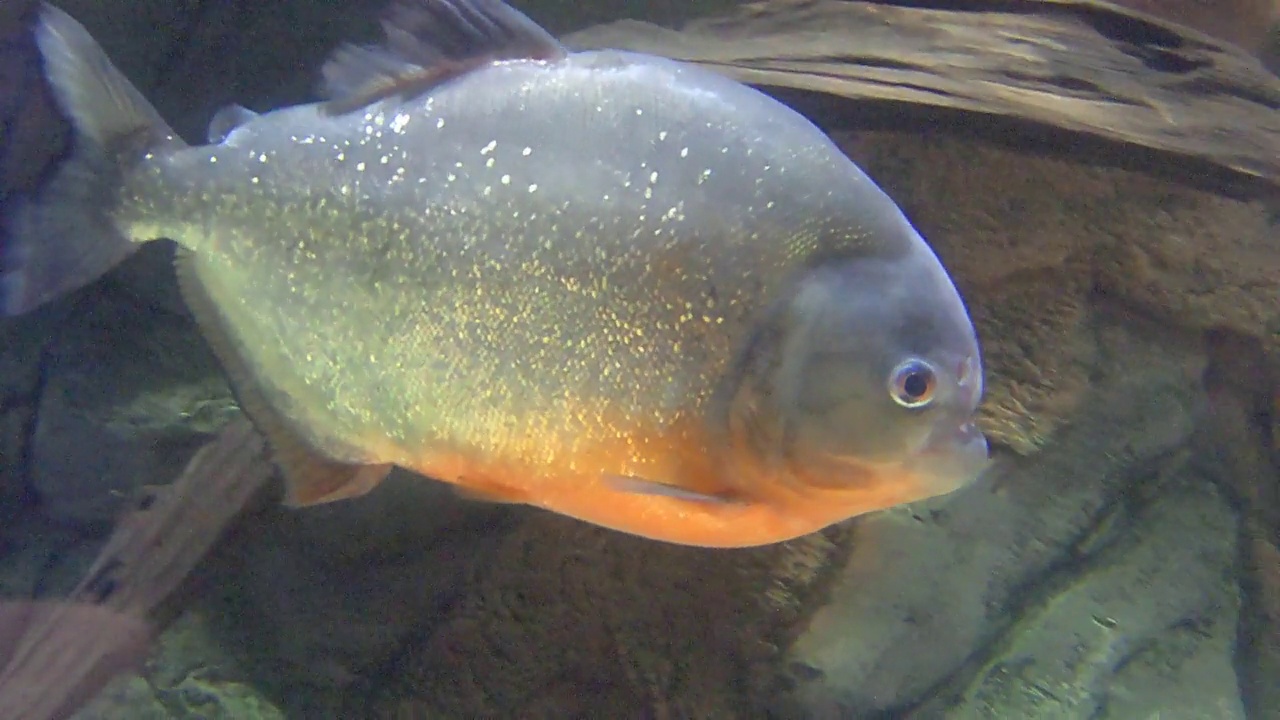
(607, 284)
(34, 135)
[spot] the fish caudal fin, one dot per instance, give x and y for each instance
(429, 42)
(60, 236)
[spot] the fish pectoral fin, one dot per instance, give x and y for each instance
(310, 479)
(640, 486)
(429, 42)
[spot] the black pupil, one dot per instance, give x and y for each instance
(915, 385)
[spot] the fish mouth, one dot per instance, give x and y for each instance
(952, 458)
(968, 434)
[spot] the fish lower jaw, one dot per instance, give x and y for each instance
(842, 491)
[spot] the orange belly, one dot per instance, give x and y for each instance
(762, 511)
(759, 506)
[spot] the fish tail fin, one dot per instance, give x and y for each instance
(59, 236)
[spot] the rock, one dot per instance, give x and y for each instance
(40, 559)
(191, 676)
(21, 345)
(565, 619)
(319, 601)
(128, 395)
(1240, 449)
(1259, 633)
(1089, 648)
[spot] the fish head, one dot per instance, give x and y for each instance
(864, 376)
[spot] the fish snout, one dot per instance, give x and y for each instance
(953, 457)
(956, 452)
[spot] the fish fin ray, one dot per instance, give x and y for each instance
(427, 43)
(226, 120)
(104, 106)
(310, 478)
(641, 486)
(60, 237)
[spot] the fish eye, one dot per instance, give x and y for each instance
(913, 384)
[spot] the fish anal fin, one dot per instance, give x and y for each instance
(310, 478)
(313, 480)
(429, 42)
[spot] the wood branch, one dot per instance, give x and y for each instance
(154, 548)
(58, 655)
(1090, 68)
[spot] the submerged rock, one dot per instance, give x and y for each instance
(128, 394)
(190, 677)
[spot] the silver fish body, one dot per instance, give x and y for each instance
(524, 244)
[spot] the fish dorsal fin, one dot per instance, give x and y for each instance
(310, 479)
(429, 42)
(226, 120)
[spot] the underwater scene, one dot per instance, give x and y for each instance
(792, 359)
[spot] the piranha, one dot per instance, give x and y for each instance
(606, 284)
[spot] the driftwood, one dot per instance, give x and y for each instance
(153, 549)
(58, 655)
(1094, 69)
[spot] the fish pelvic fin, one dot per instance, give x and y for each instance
(428, 43)
(59, 235)
(310, 478)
